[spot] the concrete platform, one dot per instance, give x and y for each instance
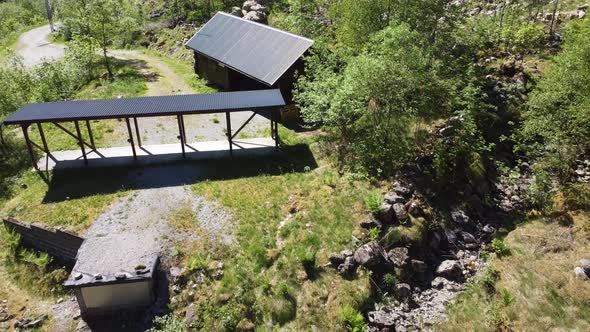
(156, 154)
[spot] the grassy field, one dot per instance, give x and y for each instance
(533, 289)
(184, 69)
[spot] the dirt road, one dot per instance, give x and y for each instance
(34, 46)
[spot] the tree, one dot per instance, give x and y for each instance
(369, 106)
(109, 21)
(16, 85)
(556, 126)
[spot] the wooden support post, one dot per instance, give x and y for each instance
(29, 146)
(137, 131)
(81, 142)
(131, 138)
(276, 129)
(183, 129)
(42, 134)
(181, 136)
(90, 136)
(229, 137)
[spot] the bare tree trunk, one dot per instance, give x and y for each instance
(49, 15)
(553, 17)
(2, 141)
(104, 52)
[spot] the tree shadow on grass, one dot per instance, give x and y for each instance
(68, 184)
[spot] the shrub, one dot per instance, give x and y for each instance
(308, 261)
(500, 247)
(352, 319)
(197, 262)
(390, 281)
(374, 233)
(373, 202)
(168, 323)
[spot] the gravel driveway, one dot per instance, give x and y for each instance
(34, 45)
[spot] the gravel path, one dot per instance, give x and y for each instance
(135, 229)
(164, 130)
(34, 45)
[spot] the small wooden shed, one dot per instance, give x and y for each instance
(236, 54)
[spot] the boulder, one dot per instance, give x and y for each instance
(401, 215)
(439, 283)
(458, 216)
(369, 254)
(434, 240)
(260, 8)
(398, 256)
(247, 5)
(416, 210)
(386, 213)
(383, 319)
(450, 269)
(468, 237)
(371, 223)
(489, 229)
(580, 274)
(402, 190)
(393, 198)
(403, 290)
(259, 17)
(347, 268)
(236, 11)
(336, 259)
(189, 315)
(347, 253)
(419, 266)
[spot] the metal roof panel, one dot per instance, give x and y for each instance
(257, 50)
(146, 106)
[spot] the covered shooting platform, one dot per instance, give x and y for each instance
(267, 102)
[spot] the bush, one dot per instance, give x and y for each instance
(390, 281)
(353, 320)
(373, 202)
(499, 247)
(168, 323)
(555, 130)
(197, 262)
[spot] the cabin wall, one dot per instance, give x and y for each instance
(231, 80)
(212, 71)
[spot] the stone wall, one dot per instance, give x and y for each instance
(61, 244)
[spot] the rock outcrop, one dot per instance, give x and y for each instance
(252, 10)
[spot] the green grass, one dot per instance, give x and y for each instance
(184, 69)
(533, 289)
(66, 202)
(273, 272)
(128, 82)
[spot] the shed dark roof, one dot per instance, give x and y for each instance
(254, 49)
(146, 106)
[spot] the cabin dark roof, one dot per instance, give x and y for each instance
(146, 106)
(253, 49)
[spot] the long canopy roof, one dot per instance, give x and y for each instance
(146, 106)
(253, 49)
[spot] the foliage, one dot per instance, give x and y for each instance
(373, 201)
(499, 247)
(15, 16)
(353, 320)
(106, 22)
(374, 233)
(390, 281)
(197, 262)
(555, 129)
(168, 323)
(369, 104)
